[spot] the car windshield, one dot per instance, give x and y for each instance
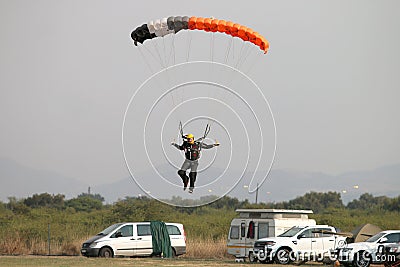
(375, 237)
(291, 232)
(110, 229)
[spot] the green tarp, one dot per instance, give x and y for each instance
(160, 238)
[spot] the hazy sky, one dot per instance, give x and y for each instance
(68, 70)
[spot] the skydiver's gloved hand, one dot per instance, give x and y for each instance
(173, 143)
(216, 144)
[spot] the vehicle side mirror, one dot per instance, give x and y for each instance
(118, 234)
(300, 236)
(383, 240)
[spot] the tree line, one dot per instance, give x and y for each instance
(316, 201)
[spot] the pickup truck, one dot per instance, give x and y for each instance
(316, 242)
(380, 248)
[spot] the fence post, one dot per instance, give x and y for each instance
(48, 236)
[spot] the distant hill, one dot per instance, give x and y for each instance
(281, 185)
(20, 181)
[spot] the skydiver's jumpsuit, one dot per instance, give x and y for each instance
(192, 154)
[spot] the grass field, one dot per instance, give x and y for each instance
(75, 261)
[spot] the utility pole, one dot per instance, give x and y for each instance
(257, 194)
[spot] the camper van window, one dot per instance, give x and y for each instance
(243, 229)
(173, 230)
(263, 230)
(143, 229)
(234, 232)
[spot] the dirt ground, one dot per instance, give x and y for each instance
(72, 261)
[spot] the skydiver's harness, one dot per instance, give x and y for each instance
(200, 140)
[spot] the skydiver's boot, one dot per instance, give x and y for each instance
(192, 176)
(184, 177)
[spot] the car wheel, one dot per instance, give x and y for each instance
(106, 253)
(252, 257)
(283, 256)
(362, 259)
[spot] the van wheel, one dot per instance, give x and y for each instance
(362, 259)
(106, 253)
(173, 253)
(283, 256)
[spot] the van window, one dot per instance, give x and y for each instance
(263, 230)
(234, 232)
(173, 230)
(126, 230)
(143, 229)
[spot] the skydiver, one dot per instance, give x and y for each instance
(192, 150)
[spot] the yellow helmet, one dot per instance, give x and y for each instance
(190, 136)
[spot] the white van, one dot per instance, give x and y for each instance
(131, 239)
(253, 224)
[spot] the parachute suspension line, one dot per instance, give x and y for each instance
(145, 60)
(189, 40)
(151, 53)
(240, 55)
(243, 56)
(228, 50)
(165, 53)
(249, 55)
(212, 47)
(173, 47)
(158, 53)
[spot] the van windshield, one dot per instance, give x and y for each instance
(291, 232)
(110, 229)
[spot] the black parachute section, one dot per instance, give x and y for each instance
(159, 28)
(141, 33)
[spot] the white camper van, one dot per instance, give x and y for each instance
(253, 224)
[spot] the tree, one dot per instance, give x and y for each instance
(95, 196)
(45, 200)
(84, 203)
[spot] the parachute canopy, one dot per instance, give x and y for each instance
(172, 25)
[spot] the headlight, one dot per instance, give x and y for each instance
(346, 249)
(270, 243)
(265, 243)
(93, 244)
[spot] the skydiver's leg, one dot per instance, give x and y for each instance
(182, 173)
(193, 174)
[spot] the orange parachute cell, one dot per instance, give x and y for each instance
(242, 33)
(221, 26)
(200, 23)
(251, 35)
(235, 29)
(207, 24)
(214, 25)
(192, 23)
(229, 25)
